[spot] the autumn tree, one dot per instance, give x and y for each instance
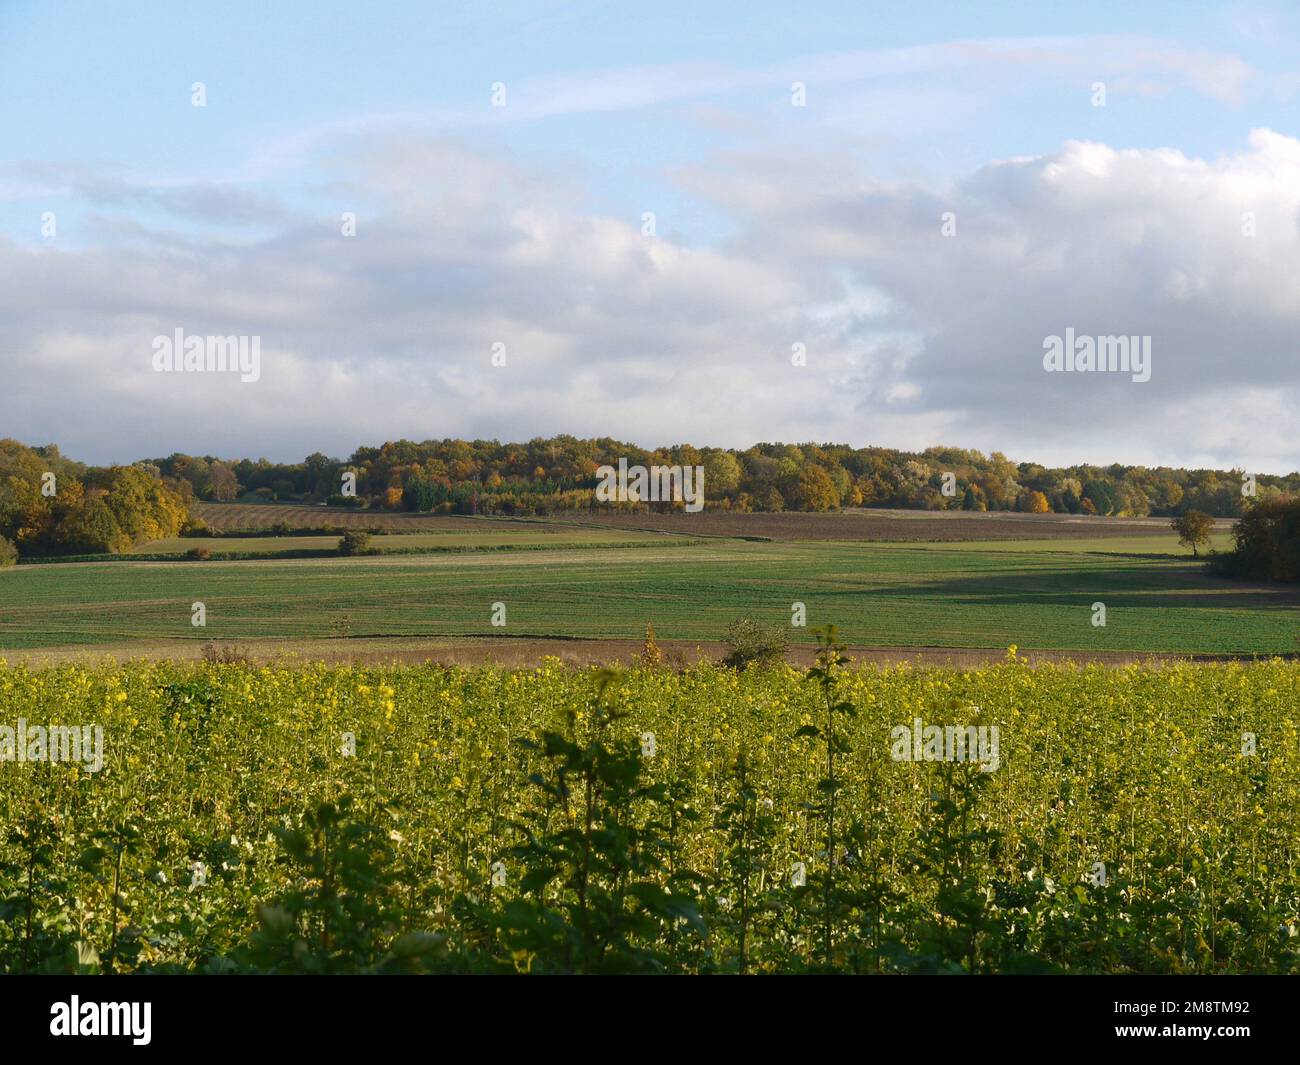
(1193, 528)
(1032, 502)
(814, 490)
(24, 512)
(651, 656)
(222, 483)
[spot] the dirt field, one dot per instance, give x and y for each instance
(234, 516)
(889, 525)
(505, 651)
(917, 525)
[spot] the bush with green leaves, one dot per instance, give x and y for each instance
(751, 643)
(354, 542)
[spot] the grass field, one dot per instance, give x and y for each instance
(1035, 594)
(483, 537)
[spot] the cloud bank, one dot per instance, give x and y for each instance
(912, 337)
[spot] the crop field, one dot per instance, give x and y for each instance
(233, 516)
(677, 816)
(483, 537)
(1035, 594)
(903, 525)
(429, 819)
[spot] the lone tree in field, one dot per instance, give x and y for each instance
(1193, 528)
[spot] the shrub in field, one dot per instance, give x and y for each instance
(354, 542)
(651, 656)
(751, 643)
(221, 654)
(198, 554)
(8, 553)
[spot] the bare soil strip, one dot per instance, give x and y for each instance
(903, 525)
(883, 525)
(529, 652)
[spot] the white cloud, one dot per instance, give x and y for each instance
(912, 338)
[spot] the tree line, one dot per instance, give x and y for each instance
(50, 504)
(545, 476)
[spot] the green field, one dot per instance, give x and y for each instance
(1035, 594)
(494, 536)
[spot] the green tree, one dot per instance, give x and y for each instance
(93, 529)
(1267, 541)
(1193, 528)
(1102, 494)
(722, 473)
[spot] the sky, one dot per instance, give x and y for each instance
(713, 223)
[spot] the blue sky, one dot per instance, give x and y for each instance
(107, 83)
(774, 224)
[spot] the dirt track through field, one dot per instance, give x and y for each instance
(529, 652)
